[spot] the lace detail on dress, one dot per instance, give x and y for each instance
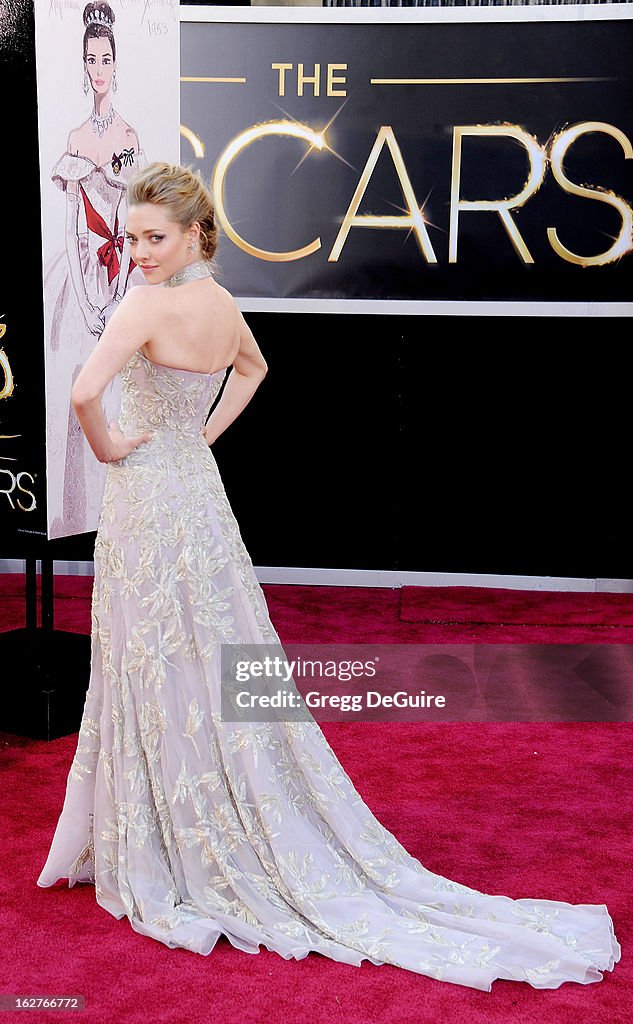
(71, 167)
(74, 167)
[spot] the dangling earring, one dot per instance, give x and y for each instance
(86, 83)
(114, 82)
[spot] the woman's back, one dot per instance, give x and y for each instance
(195, 326)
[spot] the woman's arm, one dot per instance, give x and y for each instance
(124, 271)
(108, 445)
(92, 317)
(249, 370)
(128, 328)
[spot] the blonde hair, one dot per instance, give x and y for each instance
(183, 193)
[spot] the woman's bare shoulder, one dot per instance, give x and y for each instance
(226, 303)
(224, 293)
(127, 132)
(141, 297)
(77, 138)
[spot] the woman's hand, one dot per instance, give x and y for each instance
(108, 310)
(122, 445)
(94, 318)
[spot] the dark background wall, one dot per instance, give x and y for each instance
(456, 444)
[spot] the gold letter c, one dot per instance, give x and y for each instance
(240, 142)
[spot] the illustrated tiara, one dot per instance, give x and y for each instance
(100, 17)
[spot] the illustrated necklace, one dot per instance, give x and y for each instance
(99, 124)
(192, 272)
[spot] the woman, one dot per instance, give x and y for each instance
(87, 280)
(187, 823)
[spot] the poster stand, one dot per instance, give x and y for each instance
(46, 670)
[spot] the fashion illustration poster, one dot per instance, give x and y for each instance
(108, 81)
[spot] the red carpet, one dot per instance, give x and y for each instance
(520, 607)
(524, 809)
(388, 615)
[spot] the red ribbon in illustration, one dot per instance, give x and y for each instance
(107, 252)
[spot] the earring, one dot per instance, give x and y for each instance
(114, 82)
(86, 83)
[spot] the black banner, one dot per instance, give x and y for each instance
(423, 161)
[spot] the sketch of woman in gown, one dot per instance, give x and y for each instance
(86, 280)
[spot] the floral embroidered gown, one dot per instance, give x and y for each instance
(194, 826)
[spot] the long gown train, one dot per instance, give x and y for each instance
(195, 826)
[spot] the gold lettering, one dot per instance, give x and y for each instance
(239, 143)
(196, 142)
(8, 383)
(558, 150)
(537, 160)
(24, 490)
(302, 79)
(333, 80)
(413, 219)
(282, 68)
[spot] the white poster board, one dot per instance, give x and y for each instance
(108, 83)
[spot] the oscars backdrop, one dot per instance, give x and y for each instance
(420, 161)
(108, 103)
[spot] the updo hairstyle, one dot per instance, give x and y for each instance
(98, 19)
(182, 193)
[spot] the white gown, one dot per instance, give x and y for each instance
(196, 827)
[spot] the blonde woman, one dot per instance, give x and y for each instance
(191, 823)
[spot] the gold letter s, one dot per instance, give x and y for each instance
(559, 147)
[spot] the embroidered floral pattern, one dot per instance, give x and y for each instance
(195, 827)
